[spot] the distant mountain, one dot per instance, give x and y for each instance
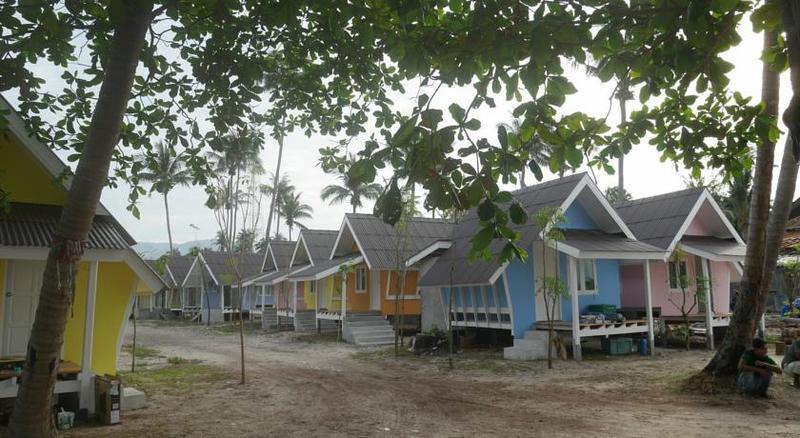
(154, 250)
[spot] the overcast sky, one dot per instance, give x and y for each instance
(645, 174)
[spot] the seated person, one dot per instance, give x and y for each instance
(755, 370)
(791, 363)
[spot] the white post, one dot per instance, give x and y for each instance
(86, 400)
(576, 314)
(648, 302)
(316, 303)
(707, 286)
(294, 298)
(344, 296)
(762, 325)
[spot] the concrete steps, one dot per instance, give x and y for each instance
(533, 346)
(305, 321)
(269, 319)
(368, 329)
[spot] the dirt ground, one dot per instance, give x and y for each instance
(300, 388)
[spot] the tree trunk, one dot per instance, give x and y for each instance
(171, 249)
(621, 161)
(744, 316)
(275, 183)
(32, 414)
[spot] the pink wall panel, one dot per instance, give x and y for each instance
(696, 228)
(632, 284)
(721, 286)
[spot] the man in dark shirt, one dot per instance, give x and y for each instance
(791, 363)
(755, 370)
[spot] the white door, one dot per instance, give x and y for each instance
(539, 268)
(374, 290)
(23, 285)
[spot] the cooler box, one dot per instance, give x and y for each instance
(108, 398)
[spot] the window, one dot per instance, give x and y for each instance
(226, 296)
(267, 291)
(313, 287)
(587, 275)
(361, 279)
(678, 275)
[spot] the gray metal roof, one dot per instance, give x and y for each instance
(383, 244)
(34, 225)
(282, 251)
(715, 245)
(307, 272)
(466, 271)
(179, 267)
(656, 220)
(598, 241)
(319, 243)
(222, 265)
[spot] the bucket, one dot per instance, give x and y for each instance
(65, 420)
(643, 347)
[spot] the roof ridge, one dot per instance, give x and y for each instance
(660, 197)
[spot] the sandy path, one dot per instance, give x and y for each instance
(305, 389)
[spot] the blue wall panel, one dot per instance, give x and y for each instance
(578, 218)
(608, 291)
(523, 297)
(213, 297)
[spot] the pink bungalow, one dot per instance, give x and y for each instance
(689, 220)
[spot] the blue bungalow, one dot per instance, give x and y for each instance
(490, 295)
(214, 275)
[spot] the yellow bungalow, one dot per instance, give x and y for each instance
(109, 277)
(369, 258)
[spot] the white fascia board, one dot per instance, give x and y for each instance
(189, 272)
(338, 238)
(722, 217)
(435, 246)
(738, 267)
(208, 269)
(609, 209)
(144, 271)
(710, 255)
(332, 270)
(612, 255)
(169, 272)
(497, 273)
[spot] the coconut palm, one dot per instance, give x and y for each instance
(351, 190)
(293, 210)
(282, 188)
(164, 171)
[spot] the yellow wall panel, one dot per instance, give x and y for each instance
(114, 287)
(73, 336)
(2, 287)
(23, 176)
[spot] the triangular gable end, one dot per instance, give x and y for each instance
(303, 258)
(594, 206)
(706, 218)
(346, 239)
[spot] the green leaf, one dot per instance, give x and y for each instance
(473, 124)
(502, 136)
(483, 238)
(486, 210)
(457, 112)
(518, 214)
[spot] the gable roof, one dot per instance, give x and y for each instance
(221, 267)
(178, 268)
(112, 230)
(662, 220)
(553, 193)
(379, 243)
(313, 246)
(278, 255)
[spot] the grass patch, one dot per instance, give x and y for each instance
(142, 352)
(319, 338)
(176, 360)
(177, 377)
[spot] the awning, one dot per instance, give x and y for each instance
(714, 248)
(592, 244)
(325, 269)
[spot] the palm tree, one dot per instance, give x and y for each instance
(537, 150)
(736, 204)
(293, 210)
(164, 171)
(283, 187)
(351, 190)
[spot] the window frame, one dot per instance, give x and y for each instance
(580, 267)
(677, 287)
(358, 272)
